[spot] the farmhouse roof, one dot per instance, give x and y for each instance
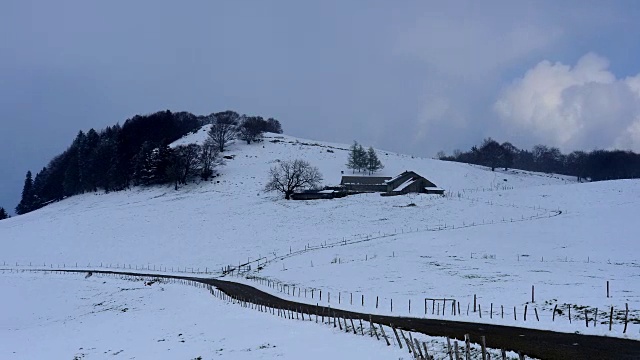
(364, 180)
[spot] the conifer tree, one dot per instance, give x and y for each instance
(357, 157)
(352, 161)
(26, 203)
(373, 163)
(3, 214)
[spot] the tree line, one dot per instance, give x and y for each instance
(596, 165)
(138, 153)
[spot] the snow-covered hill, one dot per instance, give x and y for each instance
(231, 218)
(495, 234)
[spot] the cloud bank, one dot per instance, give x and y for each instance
(581, 107)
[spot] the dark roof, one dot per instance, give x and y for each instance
(364, 180)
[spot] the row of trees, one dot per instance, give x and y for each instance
(363, 160)
(229, 125)
(138, 153)
(596, 165)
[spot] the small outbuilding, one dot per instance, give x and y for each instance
(318, 194)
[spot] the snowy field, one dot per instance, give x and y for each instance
(69, 317)
(567, 258)
(495, 235)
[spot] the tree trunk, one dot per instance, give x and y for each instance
(287, 195)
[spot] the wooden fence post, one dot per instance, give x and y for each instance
(586, 317)
(626, 317)
(484, 348)
(449, 349)
(536, 311)
(610, 318)
(406, 341)
(503, 352)
(467, 347)
(525, 312)
(384, 335)
(553, 317)
(474, 302)
(397, 337)
(455, 349)
(415, 352)
(426, 351)
(533, 291)
(372, 329)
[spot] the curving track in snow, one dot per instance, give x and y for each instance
(533, 343)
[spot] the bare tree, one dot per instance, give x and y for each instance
(187, 156)
(224, 129)
(289, 176)
(209, 159)
(251, 128)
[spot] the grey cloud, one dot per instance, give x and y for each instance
(413, 77)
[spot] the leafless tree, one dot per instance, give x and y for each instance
(251, 128)
(224, 129)
(209, 159)
(289, 176)
(186, 159)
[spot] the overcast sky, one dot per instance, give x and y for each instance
(413, 77)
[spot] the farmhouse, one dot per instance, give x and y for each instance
(365, 183)
(407, 182)
(411, 182)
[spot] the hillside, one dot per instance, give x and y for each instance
(231, 218)
(495, 234)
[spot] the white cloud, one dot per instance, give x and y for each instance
(579, 107)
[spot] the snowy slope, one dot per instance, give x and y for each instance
(231, 218)
(68, 317)
(495, 235)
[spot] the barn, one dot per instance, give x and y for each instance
(407, 182)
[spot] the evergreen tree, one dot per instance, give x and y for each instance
(361, 158)
(357, 158)
(26, 203)
(373, 163)
(3, 214)
(352, 161)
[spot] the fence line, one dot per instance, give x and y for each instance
(416, 348)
